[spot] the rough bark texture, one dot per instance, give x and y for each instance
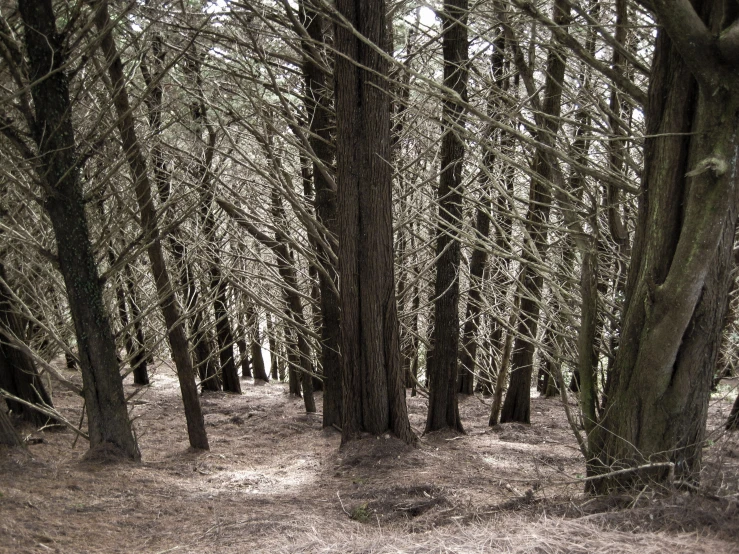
(58, 165)
(680, 269)
(442, 366)
(317, 100)
(374, 396)
(167, 299)
(517, 405)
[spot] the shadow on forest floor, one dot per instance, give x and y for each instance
(274, 481)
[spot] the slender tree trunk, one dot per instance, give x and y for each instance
(167, 299)
(732, 424)
(255, 345)
(107, 415)
(140, 358)
(317, 101)
(274, 357)
(478, 263)
(374, 396)
(205, 137)
(517, 405)
(205, 361)
(442, 366)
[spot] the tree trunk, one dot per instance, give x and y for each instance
(107, 415)
(374, 396)
(167, 299)
(478, 263)
(682, 258)
(205, 137)
(274, 357)
(252, 330)
(317, 101)
(205, 361)
(140, 357)
(732, 424)
(18, 374)
(517, 405)
(442, 367)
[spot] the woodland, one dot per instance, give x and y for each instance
(369, 275)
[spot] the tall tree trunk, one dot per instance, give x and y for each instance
(134, 351)
(317, 99)
(107, 415)
(205, 137)
(274, 357)
(374, 396)
(442, 367)
(295, 318)
(141, 356)
(517, 405)
(205, 360)
(478, 263)
(682, 258)
(167, 299)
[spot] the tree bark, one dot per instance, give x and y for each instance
(317, 100)
(373, 392)
(443, 411)
(18, 374)
(682, 258)
(167, 299)
(517, 405)
(53, 132)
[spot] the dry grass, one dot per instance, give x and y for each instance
(274, 481)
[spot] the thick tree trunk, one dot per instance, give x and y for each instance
(54, 134)
(374, 396)
(681, 265)
(442, 363)
(167, 299)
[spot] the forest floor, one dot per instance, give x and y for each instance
(275, 482)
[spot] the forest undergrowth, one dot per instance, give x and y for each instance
(274, 481)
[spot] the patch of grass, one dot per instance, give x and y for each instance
(361, 513)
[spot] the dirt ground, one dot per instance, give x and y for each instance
(274, 481)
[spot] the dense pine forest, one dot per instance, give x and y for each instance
(369, 275)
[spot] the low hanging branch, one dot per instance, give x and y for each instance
(47, 411)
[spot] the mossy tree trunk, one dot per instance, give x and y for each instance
(682, 257)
